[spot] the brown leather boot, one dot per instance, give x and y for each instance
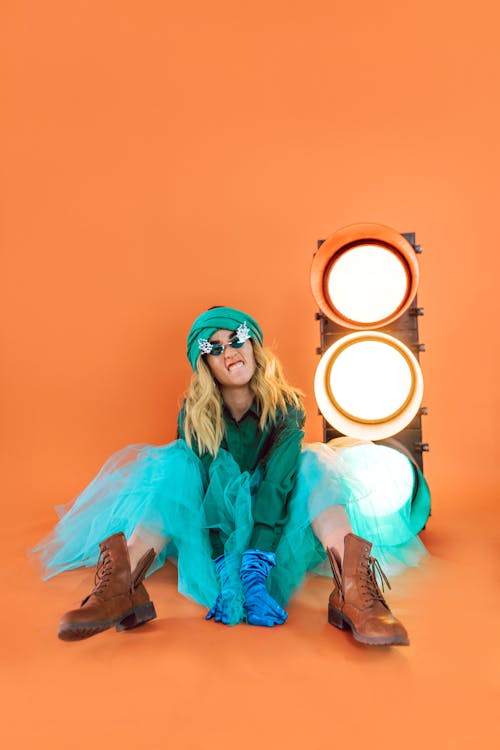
(356, 601)
(119, 597)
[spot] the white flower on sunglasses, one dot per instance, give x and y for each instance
(243, 333)
(205, 346)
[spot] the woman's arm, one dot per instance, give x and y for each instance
(181, 418)
(280, 469)
(215, 541)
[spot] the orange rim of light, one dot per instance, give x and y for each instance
(345, 239)
(365, 429)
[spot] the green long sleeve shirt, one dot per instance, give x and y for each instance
(276, 449)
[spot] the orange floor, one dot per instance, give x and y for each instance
(181, 682)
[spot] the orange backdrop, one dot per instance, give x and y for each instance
(162, 157)
(165, 157)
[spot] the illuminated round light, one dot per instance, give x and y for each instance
(364, 276)
(368, 385)
(367, 283)
(370, 380)
(385, 477)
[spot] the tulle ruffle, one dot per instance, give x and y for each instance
(166, 491)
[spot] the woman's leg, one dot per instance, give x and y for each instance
(155, 492)
(119, 598)
(331, 527)
(141, 541)
(356, 601)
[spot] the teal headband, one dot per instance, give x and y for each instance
(213, 320)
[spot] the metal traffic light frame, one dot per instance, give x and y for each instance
(405, 329)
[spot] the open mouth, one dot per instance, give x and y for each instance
(235, 365)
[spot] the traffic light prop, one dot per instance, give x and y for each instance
(368, 383)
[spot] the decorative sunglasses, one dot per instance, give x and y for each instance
(235, 342)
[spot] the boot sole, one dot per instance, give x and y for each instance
(127, 621)
(342, 622)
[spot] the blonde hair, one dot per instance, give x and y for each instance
(204, 426)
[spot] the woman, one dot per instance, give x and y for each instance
(243, 509)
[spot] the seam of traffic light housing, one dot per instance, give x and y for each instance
(352, 417)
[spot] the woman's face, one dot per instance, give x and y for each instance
(234, 367)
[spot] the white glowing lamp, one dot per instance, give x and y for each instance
(368, 385)
(367, 283)
(384, 477)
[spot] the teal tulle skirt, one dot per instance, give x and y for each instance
(167, 491)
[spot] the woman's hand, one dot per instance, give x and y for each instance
(260, 607)
(221, 610)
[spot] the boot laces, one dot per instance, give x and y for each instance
(370, 571)
(103, 571)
